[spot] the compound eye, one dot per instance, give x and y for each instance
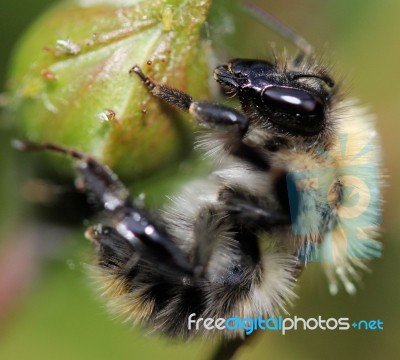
(293, 101)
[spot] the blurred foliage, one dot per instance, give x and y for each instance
(61, 316)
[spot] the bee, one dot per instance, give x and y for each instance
(295, 179)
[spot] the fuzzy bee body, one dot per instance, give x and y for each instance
(233, 243)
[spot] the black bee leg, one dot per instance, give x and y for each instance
(150, 239)
(132, 223)
(207, 114)
(230, 123)
(172, 96)
(117, 254)
(247, 212)
(113, 251)
(97, 178)
(250, 214)
(208, 228)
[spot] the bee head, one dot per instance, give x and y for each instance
(290, 101)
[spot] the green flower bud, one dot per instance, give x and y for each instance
(69, 83)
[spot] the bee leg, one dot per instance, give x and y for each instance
(232, 123)
(248, 213)
(113, 251)
(117, 255)
(207, 114)
(132, 223)
(209, 227)
(170, 95)
(97, 178)
(231, 126)
(150, 239)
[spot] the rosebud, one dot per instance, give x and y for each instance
(70, 84)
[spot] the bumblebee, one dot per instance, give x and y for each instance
(295, 179)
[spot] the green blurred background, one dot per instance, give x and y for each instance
(56, 314)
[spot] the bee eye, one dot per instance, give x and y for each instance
(293, 101)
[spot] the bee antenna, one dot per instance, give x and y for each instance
(277, 26)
